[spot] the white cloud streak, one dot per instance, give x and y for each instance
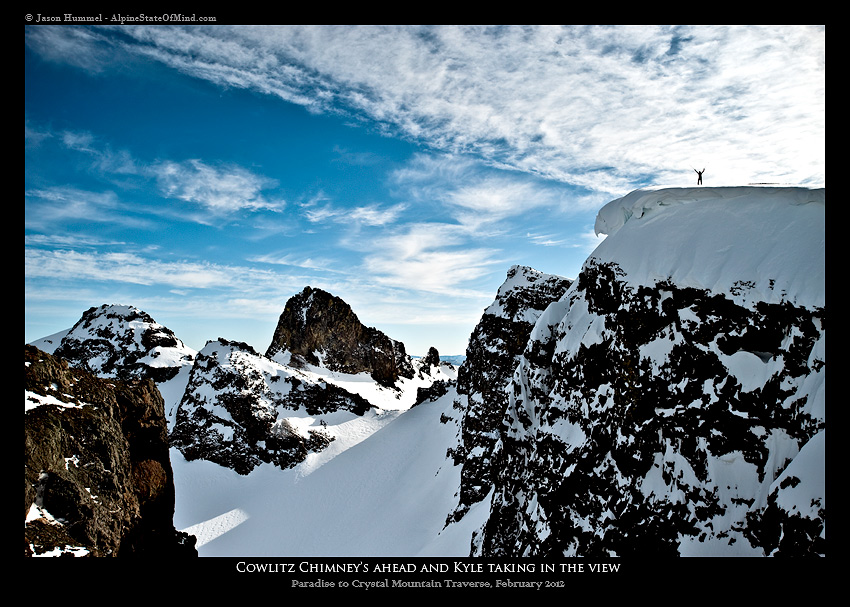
(58, 205)
(429, 257)
(589, 105)
(369, 215)
(288, 259)
(218, 189)
(135, 269)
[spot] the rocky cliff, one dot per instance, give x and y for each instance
(320, 329)
(669, 401)
(97, 472)
(493, 353)
(672, 402)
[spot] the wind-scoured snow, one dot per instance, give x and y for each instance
(757, 243)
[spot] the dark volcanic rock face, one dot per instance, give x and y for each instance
(663, 420)
(97, 472)
(241, 409)
(123, 342)
(322, 330)
(491, 358)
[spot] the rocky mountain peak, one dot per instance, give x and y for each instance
(239, 406)
(432, 358)
(320, 329)
(525, 294)
(123, 342)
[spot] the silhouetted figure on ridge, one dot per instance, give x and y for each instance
(699, 176)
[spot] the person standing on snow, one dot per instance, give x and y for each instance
(699, 176)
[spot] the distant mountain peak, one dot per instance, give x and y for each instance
(321, 329)
(124, 342)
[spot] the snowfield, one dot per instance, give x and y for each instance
(383, 488)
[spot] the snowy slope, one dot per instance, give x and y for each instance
(382, 487)
(383, 495)
(51, 342)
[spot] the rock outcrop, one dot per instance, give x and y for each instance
(320, 329)
(439, 371)
(241, 409)
(492, 355)
(97, 473)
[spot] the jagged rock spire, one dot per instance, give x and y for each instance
(318, 328)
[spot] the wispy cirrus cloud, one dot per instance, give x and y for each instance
(429, 257)
(104, 158)
(86, 48)
(586, 241)
(291, 260)
(33, 135)
(66, 241)
(136, 269)
(595, 106)
(220, 189)
(58, 205)
(460, 204)
(478, 197)
(495, 199)
(366, 215)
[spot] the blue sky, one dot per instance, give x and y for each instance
(207, 174)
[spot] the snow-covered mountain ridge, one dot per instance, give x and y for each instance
(241, 409)
(669, 400)
(123, 342)
(748, 243)
(673, 401)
